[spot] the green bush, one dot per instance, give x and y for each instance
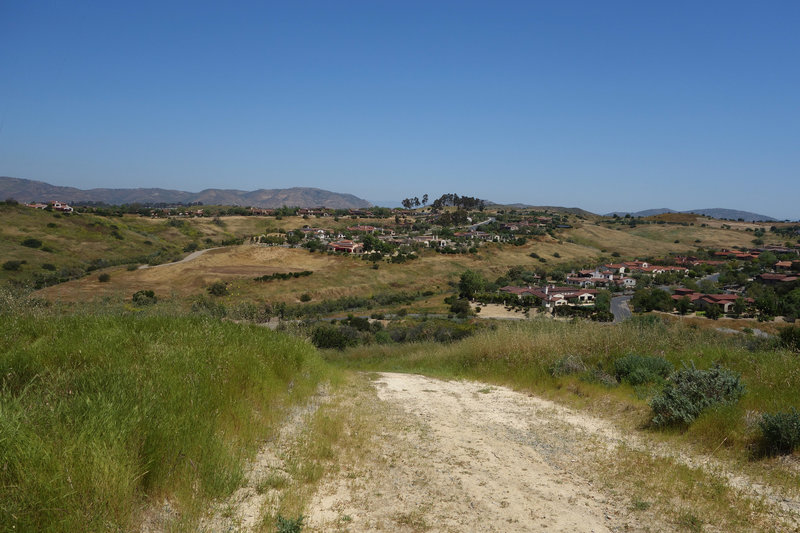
(640, 369)
(12, 266)
(48, 266)
(790, 337)
(690, 391)
(105, 277)
(30, 242)
(780, 432)
(218, 288)
(144, 297)
(289, 525)
(328, 336)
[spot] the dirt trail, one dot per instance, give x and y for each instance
(471, 458)
(464, 456)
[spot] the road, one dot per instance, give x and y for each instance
(475, 227)
(620, 309)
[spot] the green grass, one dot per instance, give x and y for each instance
(100, 416)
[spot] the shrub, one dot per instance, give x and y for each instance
(461, 307)
(328, 336)
(289, 525)
(566, 365)
(12, 266)
(690, 391)
(48, 266)
(218, 288)
(144, 297)
(105, 277)
(780, 432)
(305, 297)
(640, 369)
(30, 242)
(790, 337)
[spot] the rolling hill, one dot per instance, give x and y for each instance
(716, 212)
(24, 190)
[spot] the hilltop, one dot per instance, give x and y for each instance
(25, 190)
(713, 212)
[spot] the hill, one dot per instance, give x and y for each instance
(24, 190)
(717, 212)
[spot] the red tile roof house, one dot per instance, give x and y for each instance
(552, 296)
(346, 246)
(777, 278)
(704, 301)
(365, 229)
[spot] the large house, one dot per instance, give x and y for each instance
(704, 301)
(346, 246)
(552, 296)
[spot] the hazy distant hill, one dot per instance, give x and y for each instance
(24, 190)
(550, 208)
(729, 214)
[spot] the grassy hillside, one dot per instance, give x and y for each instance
(56, 246)
(103, 416)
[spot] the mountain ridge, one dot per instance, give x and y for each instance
(713, 212)
(25, 190)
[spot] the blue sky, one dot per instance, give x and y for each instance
(600, 105)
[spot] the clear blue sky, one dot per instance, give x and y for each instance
(601, 105)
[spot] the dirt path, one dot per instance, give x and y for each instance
(464, 456)
(469, 458)
(190, 257)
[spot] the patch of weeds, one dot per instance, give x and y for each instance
(640, 369)
(485, 390)
(690, 522)
(273, 481)
(599, 376)
(640, 505)
(414, 520)
(289, 525)
(566, 365)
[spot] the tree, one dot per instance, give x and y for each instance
(603, 301)
(684, 305)
(424, 199)
(416, 202)
(471, 283)
(739, 306)
(713, 312)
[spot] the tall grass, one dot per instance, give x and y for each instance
(101, 415)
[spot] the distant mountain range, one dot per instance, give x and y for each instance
(24, 190)
(729, 214)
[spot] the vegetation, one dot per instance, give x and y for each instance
(281, 275)
(691, 391)
(781, 431)
(100, 413)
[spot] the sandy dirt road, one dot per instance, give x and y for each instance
(464, 456)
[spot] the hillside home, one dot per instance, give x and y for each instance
(346, 246)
